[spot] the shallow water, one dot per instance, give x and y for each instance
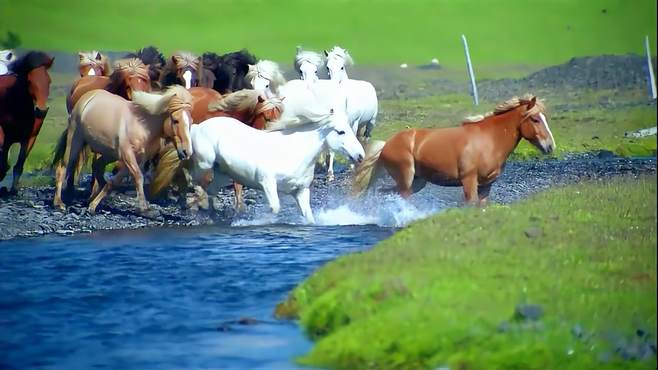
(160, 299)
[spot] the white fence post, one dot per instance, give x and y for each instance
(474, 88)
(651, 79)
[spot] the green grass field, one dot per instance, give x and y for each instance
(443, 291)
(521, 32)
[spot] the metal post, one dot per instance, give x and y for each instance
(651, 79)
(474, 88)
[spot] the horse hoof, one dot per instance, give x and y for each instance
(330, 177)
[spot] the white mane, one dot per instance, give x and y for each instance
(268, 70)
(7, 56)
(306, 56)
(338, 52)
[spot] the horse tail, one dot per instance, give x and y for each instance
(363, 177)
(168, 165)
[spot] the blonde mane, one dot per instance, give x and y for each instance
(175, 98)
(182, 59)
(268, 70)
(306, 117)
(245, 100)
(306, 56)
(338, 52)
(88, 58)
(507, 106)
(132, 67)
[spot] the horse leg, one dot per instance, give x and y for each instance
(470, 184)
(4, 154)
(483, 194)
(403, 172)
(330, 166)
(303, 198)
(98, 175)
(238, 190)
(136, 172)
(269, 187)
(114, 181)
(18, 167)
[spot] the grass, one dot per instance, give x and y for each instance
(511, 32)
(442, 292)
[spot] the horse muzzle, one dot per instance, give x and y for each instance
(184, 154)
(40, 113)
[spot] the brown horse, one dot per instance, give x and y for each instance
(129, 75)
(93, 63)
(471, 155)
(129, 132)
(186, 69)
(247, 106)
(23, 107)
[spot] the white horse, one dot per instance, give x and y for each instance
(266, 77)
(281, 159)
(307, 64)
(7, 56)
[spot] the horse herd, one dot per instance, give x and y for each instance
(205, 121)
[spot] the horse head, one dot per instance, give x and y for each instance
(188, 68)
(131, 75)
(93, 64)
(337, 59)
(265, 77)
(534, 125)
(39, 81)
(266, 111)
(179, 119)
(341, 136)
(307, 64)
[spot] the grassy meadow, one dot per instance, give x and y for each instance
(443, 291)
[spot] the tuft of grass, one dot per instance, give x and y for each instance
(443, 291)
(536, 32)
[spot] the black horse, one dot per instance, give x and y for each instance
(229, 70)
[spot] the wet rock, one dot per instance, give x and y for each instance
(528, 312)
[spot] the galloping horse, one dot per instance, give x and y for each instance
(266, 77)
(183, 68)
(472, 155)
(307, 64)
(154, 60)
(7, 56)
(247, 106)
(93, 63)
(281, 159)
(124, 131)
(23, 99)
(129, 76)
(229, 70)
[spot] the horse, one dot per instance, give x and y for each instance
(472, 155)
(129, 132)
(129, 76)
(229, 70)
(93, 63)
(154, 60)
(266, 77)
(7, 56)
(280, 159)
(183, 68)
(307, 64)
(247, 106)
(23, 108)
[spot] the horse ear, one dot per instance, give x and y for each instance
(50, 63)
(532, 102)
(98, 56)
(175, 59)
(326, 54)
(282, 98)
(81, 56)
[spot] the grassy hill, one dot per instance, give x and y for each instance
(522, 32)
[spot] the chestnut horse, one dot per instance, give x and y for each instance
(93, 63)
(124, 131)
(247, 106)
(472, 155)
(185, 69)
(23, 107)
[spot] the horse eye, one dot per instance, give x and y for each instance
(342, 68)
(533, 119)
(340, 132)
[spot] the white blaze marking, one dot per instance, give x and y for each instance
(187, 76)
(543, 120)
(91, 72)
(186, 118)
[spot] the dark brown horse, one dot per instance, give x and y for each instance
(23, 107)
(471, 155)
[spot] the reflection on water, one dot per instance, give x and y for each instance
(155, 299)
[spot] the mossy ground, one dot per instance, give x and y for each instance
(437, 292)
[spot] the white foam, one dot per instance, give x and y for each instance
(387, 211)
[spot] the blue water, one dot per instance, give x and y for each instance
(154, 299)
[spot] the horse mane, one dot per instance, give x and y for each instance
(308, 116)
(269, 70)
(153, 58)
(270, 104)
(507, 106)
(339, 52)
(30, 61)
(175, 98)
(88, 58)
(236, 102)
(183, 59)
(309, 57)
(130, 67)
(241, 59)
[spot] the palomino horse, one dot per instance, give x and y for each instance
(229, 70)
(266, 77)
(154, 60)
(472, 155)
(23, 99)
(183, 68)
(129, 76)
(247, 106)
(125, 131)
(93, 63)
(279, 160)
(7, 56)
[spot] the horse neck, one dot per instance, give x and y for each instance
(307, 144)
(153, 124)
(506, 130)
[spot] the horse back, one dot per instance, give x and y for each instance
(84, 85)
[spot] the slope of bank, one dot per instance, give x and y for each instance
(565, 279)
